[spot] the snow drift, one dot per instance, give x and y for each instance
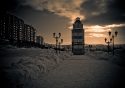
(29, 68)
(117, 58)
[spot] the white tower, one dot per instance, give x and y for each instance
(78, 37)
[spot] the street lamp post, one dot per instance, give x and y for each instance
(112, 37)
(108, 42)
(60, 43)
(56, 37)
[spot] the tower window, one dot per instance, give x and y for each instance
(77, 26)
(78, 34)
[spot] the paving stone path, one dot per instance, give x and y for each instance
(81, 71)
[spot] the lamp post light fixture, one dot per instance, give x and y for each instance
(112, 37)
(56, 37)
(108, 42)
(60, 43)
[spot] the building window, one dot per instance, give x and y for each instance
(77, 26)
(78, 34)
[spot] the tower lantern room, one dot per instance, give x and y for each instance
(78, 37)
(77, 24)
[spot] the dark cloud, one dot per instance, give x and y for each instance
(116, 10)
(8, 4)
(104, 12)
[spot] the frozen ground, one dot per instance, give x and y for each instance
(42, 68)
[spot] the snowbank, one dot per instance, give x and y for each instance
(28, 68)
(117, 58)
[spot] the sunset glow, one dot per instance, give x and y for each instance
(96, 28)
(115, 25)
(95, 35)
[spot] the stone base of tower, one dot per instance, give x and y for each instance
(78, 51)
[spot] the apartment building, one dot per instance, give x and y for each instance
(3, 27)
(15, 31)
(39, 40)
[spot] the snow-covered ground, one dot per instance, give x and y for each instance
(82, 71)
(19, 65)
(118, 57)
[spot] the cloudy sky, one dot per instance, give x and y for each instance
(49, 16)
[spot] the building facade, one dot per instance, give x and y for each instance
(39, 40)
(3, 27)
(29, 35)
(20, 30)
(78, 37)
(15, 31)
